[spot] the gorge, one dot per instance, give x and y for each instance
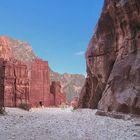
(39, 101)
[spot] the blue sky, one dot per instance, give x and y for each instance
(58, 30)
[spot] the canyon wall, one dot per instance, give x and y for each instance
(14, 83)
(40, 83)
(58, 96)
(113, 60)
(24, 79)
(22, 51)
(2, 74)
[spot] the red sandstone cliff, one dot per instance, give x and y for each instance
(24, 78)
(58, 96)
(22, 51)
(113, 60)
(14, 83)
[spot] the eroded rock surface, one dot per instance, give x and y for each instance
(22, 51)
(113, 60)
(24, 79)
(58, 96)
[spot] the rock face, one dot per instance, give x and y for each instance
(5, 50)
(22, 51)
(58, 96)
(14, 83)
(40, 83)
(19, 86)
(113, 60)
(71, 83)
(24, 80)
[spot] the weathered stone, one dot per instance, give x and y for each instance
(59, 97)
(27, 81)
(5, 50)
(39, 83)
(115, 115)
(113, 60)
(22, 51)
(74, 102)
(14, 83)
(71, 83)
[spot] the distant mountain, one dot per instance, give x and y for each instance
(71, 83)
(20, 50)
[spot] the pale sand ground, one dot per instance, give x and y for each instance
(59, 124)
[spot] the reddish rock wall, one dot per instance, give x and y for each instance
(2, 74)
(40, 83)
(14, 83)
(113, 60)
(19, 84)
(59, 97)
(24, 78)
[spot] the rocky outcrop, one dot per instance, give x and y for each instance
(23, 81)
(40, 83)
(5, 50)
(74, 103)
(58, 97)
(22, 51)
(14, 83)
(71, 83)
(18, 85)
(113, 60)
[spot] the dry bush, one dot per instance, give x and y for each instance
(2, 110)
(25, 106)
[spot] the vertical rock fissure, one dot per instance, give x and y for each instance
(14, 84)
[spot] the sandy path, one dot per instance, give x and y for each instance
(59, 124)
